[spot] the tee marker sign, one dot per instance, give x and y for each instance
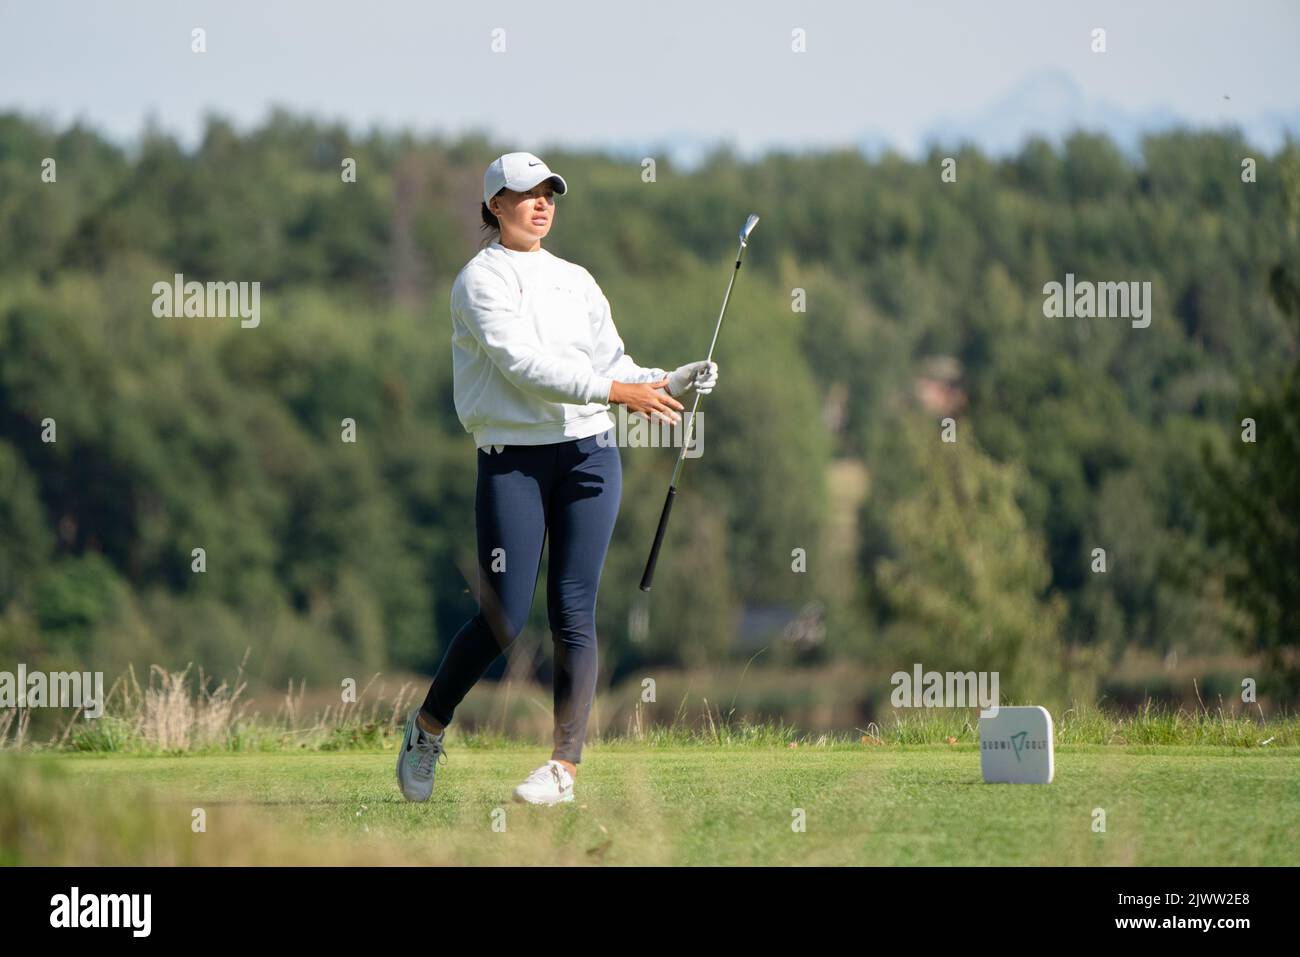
(1016, 746)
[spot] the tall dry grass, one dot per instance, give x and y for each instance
(185, 711)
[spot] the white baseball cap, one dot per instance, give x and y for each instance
(520, 172)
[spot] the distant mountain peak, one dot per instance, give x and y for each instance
(1047, 94)
(1052, 104)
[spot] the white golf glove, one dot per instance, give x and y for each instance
(701, 376)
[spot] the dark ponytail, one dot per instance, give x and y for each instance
(490, 222)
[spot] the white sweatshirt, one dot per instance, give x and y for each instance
(534, 350)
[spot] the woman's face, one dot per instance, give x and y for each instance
(525, 217)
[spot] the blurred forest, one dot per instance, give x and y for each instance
(923, 300)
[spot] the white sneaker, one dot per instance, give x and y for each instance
(417, 758)
(550, 784)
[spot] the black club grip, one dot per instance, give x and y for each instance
(648, 578)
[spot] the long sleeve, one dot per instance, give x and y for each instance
(484, 305)
(610, 357)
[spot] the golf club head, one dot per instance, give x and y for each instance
(748, 227)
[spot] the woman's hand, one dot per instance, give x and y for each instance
(645, 398)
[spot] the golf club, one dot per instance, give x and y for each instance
(647, 579)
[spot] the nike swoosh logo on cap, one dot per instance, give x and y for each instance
(538, 163)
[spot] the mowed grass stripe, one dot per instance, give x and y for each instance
(920, 804)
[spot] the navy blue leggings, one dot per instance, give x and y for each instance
(571, 491)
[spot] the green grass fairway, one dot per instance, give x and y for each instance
(698, 804)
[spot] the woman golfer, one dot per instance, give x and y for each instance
(537, 362)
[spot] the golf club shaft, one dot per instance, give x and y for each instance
(647, 577)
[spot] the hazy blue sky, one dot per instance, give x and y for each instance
(631, 76)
